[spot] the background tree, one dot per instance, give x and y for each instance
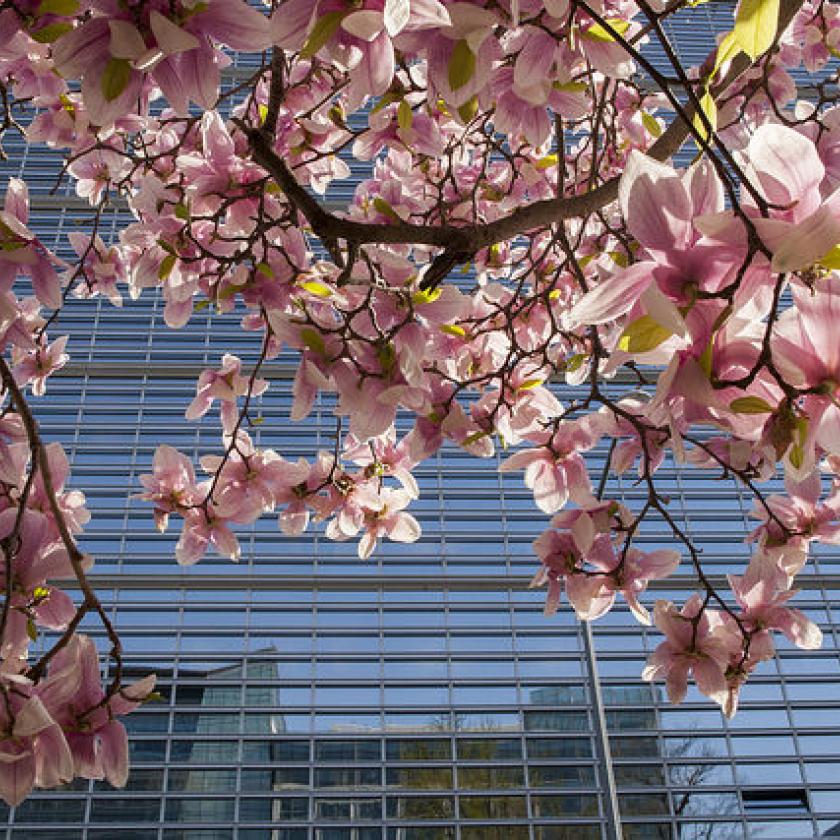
(521, 228)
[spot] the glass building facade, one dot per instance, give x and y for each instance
(420, 695)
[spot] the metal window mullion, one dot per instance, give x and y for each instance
(608, 788)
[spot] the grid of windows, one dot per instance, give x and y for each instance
(421, 693)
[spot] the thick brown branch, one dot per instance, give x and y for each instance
(465, 240)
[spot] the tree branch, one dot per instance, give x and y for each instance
(461, 242)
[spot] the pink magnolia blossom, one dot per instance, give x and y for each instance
(697, 642)
(35, 366)
(382, 514)
(226, 385)
(171, 486)
(74, 696)
(21, 252)
(33, 750)
(660, 205)
(556, 471)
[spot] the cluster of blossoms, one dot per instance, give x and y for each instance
(525, 140)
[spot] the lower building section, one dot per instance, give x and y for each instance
(434, 713)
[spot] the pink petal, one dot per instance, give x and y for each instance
(113, 745)
(613, 296)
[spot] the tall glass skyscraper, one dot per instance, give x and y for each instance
(420, 695)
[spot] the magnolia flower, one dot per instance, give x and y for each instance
(21, 252)
(697, 642)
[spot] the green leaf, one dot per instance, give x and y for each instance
(642, 335)
(530, 384)
(705, 360)
(796, 456)
(461, 65)
(67, 8)
(473, 438)
(708, 107)
(325, 27)
(596, 32)
(166, 266)
(116, 77)
(651, 125)
(382, 206)
(575, 362)
(726, 51)
(426, 296)
(751, 405)
(404, 115)
(50, 33)
(755, 26)
(831, 260)
(570, 87)
(317, 288)
(313, 340)
(182, 212)
(265, 269)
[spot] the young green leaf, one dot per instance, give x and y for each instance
(461, 65)
(755, 26)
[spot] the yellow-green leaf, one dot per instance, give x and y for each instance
(547, 162)
(705, 360)
(727, 50)
(461, 65)
(530, 384)
(831, 260)
(404, 115)
(709, 108)
(426, 296)
(262, 111)
(570, 87)
(755, 26)
(382, 206)
(469, 109)
(325, 27)
(265, 269)
(596, 32)
(50, 33)
(651, 124)
(166, 266)
(316, 287)
(750, 405)
(313, 340)
(453, 329)
(642, 335)
(796, 456)
(182, 212)
(575, 362)
(116, 77)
